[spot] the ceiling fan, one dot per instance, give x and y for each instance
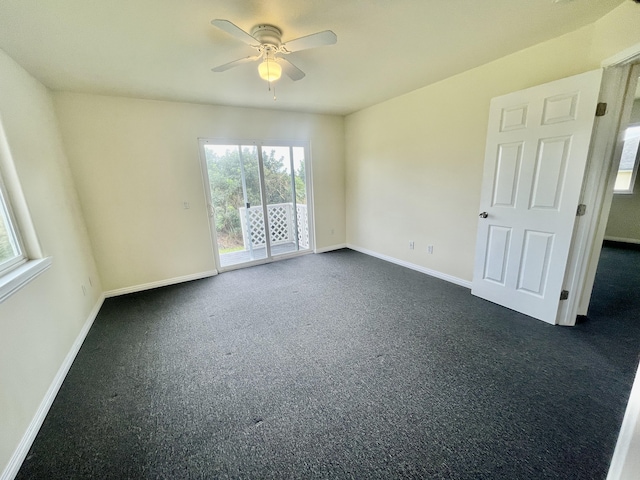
(266, 39)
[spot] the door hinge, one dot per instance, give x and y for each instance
(564, 294)
(582, 209)
(601, 109)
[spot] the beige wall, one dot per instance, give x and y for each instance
(414, 163)
(136, 161)
(39, 323)
(635, 112)
(624, 217)
(616, 32)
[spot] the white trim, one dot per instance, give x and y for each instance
(311, 202)
(633, 81)
(294, 254)
(594, 187)
(622, 240)
(623, 464)
(16, 204)
(330, 248)
(17, 278)
(238, 266)
(159, 283)
(624, 57)
(598, 191)
(413, 266)
(21, 451)
(213, 238)
(265, 261)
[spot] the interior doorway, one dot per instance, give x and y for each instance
(608, 168)
(258, 199)
(623, 224)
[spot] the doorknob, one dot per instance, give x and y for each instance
(483, 215)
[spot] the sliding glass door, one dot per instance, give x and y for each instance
(286, 192)
(258, 201)
(236, 201)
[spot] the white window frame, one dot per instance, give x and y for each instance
(6, 214)
(22, 269)
(634, 172)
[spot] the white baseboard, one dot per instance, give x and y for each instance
(160, 283)
(330, 248)
(413, 266)
(623, 240)
(29, 436)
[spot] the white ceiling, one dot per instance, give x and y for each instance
(165, 49)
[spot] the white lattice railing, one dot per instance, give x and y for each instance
(281, 224)
(303, 226)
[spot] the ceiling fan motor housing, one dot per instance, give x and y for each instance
(267, 34)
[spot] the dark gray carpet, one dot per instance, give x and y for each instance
(342, 366)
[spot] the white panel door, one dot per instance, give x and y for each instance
(537, 147)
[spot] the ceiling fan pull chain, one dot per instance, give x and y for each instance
(270, 82)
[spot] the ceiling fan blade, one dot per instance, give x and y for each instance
(293, 72)
(235, 63)
(235, 31)
(314, 40)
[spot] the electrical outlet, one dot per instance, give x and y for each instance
(411, 245)
(186, 205)
(430, 249)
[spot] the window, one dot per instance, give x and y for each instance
(628, 161)
(11, 249)
(20, 262)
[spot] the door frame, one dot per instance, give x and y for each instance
(308, 171)
(597, 190)
(623, 461)
(259, 144)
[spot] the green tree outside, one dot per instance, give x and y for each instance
(6, 249)
(225, 179)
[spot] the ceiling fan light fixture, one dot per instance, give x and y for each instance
(270, 70)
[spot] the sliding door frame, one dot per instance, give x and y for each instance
(260, 144)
